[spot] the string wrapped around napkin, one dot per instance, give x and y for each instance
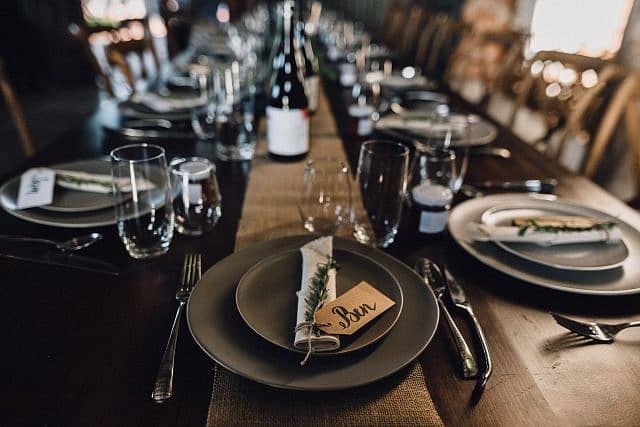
(315, 255)
(547, 231)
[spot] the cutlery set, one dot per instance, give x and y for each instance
(446, 284)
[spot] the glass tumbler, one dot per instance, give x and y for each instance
(197, 202)
(382, 179)
(234, 93)
(325, 199)
(142, 190)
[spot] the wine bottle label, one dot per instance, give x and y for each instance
(312, 86)
(287, 131)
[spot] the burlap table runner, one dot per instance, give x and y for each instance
(269, 212)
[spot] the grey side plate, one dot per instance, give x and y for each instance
(583, 257)
(624, 280)
(219, 330)
(266, 298)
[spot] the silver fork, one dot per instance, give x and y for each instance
(191, 272)
(601, 332)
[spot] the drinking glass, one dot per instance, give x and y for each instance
(439, 144)
(197, 202)
(234, 93)
(325, 199)
(142, 190)
(382, 180)
(436, 166)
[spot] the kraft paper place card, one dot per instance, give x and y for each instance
(352, 310)
(36, 188)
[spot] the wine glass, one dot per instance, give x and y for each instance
(382, 179)
(325, 196)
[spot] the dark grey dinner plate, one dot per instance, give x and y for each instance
(66, 200)
(67, 219)
(266, 298)
(219, 330)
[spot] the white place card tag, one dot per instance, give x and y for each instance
(36, 188)
(352, 310)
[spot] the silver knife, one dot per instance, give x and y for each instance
(460, 300)
(432, 276)
(532, 185)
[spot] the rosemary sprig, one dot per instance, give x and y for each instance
(80, 181)
(535, 227)
(318, 289)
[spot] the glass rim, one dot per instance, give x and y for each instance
(114, 153)
(341, 165)
(404, 150)
(211, 167)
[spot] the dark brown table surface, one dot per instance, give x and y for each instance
(83, 348)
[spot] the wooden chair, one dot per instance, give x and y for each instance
(410, 31)
(550, 106)
(447, 36)
(624, 104)
(425, 39)
(116, 53)
(16, 112)
(484, 63)
(81, 35)
(393, 25)
(117, 56)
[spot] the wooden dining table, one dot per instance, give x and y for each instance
(82, 348)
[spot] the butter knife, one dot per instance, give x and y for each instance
(460, 300)
(432, 276)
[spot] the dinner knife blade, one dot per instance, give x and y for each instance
(74, 261)
(459, 298)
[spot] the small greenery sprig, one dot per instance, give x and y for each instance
(535, 227)
(318, 290)
(81, 181)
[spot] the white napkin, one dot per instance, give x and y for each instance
(163, 104)
(314, 253)
(486, 233)
(98, 183)
(416, 122)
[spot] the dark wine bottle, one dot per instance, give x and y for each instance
(288, 106)
(310, 62)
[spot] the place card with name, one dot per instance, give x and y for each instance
(36, 188)
(352, 310)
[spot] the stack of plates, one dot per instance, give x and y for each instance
(242, 313)
(70, 209)
(592, 268)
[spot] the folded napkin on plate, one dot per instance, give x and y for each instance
(165, 104)
(98, 183)
(514, 234)
(417, 122)
(314, 254)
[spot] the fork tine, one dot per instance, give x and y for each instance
(185, 268)
(572, 325)
(199, 267)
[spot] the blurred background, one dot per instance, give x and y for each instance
(527, 63)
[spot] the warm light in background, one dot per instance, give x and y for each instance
(111, 11)
(587, 27)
